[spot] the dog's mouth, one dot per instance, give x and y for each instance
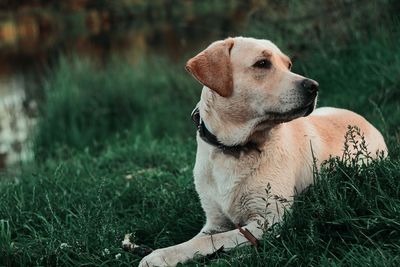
(280, 117)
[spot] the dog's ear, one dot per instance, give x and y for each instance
(212, 67)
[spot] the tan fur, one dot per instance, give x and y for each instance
(212, 67)
(232, 188)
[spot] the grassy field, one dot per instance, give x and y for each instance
(115, 151)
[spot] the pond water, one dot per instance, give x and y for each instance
(32, 38)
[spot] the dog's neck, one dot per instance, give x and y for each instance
(228, 129)
(212, 140)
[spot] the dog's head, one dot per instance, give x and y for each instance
(251, 81)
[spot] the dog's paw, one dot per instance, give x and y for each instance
(162, 257)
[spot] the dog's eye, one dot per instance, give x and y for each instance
(263, 64)
(290, 65)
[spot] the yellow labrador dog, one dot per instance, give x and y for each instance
(257, 129)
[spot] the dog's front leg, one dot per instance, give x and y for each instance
(216, 222)
(202, 246)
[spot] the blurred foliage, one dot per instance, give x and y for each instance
(85, 104)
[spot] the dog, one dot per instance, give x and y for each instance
(258, 130)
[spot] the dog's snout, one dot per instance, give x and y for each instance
(310, 85)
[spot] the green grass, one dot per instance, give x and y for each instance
(115, 151)
(86, 104)
(88, 203)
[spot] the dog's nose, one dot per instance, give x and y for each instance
(310, 85)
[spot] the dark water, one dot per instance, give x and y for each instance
(33, 37)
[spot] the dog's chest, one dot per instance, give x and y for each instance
(224, 180)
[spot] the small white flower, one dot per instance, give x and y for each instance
(106, 251)
(64, 245)
(117, 256)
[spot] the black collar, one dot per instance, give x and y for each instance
(211, 139)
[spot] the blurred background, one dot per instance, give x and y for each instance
(76, 73)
